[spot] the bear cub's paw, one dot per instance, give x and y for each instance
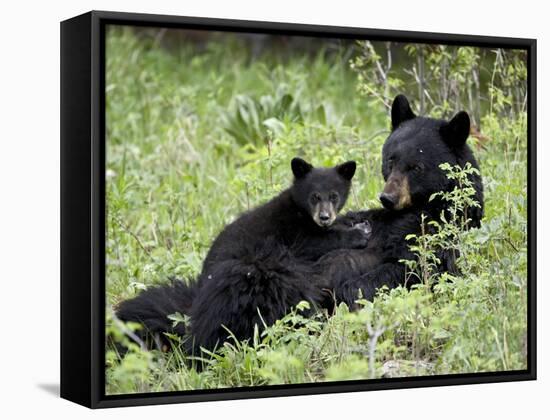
(358, 236)
(363, 226)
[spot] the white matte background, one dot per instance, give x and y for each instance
(29, 208)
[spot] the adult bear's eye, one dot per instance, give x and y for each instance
(333, 197)
(417, 168)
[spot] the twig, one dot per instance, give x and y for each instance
(421, 81)
(509, 242)
(270, 161)
(160, 34)
(129, 333)
(133, 235)
(374, 333)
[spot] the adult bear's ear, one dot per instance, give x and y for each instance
(300, 167)
(400, 111)
(456, 132)
(347, 169)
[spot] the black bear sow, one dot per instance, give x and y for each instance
(260, 265)
(411, 157)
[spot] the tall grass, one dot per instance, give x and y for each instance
(197, 135)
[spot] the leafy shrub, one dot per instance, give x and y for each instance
(444, 79)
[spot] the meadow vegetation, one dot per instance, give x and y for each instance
(197, 134)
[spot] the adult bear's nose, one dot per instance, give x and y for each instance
(387, 200)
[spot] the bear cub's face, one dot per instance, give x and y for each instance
(413, 152)
(321, 192)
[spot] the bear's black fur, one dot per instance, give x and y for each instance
(411, 157)
(260, 265)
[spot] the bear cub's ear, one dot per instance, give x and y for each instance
(456, 132)
(300, 167)
(347, 169)
(400, 111)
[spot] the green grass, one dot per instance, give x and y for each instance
(185, 157)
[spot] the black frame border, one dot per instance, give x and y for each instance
(83, 208)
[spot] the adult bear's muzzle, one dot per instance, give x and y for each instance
(396, 194)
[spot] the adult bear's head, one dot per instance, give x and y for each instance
(413, 152)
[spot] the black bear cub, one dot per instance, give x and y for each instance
(260, 265)
(411, 156)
